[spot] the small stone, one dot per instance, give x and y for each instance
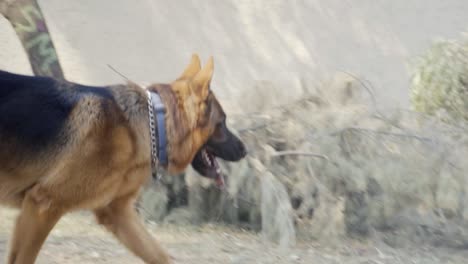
(295, 258)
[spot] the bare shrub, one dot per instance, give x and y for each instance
(440, 79)
(332, 165)
(350, 169)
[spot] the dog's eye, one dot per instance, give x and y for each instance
(220, 124)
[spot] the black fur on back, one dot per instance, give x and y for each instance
(34, 110)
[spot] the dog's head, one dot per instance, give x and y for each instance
(197, 133)
(221, 143)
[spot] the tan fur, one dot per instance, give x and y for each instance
(189, 95)
(104, 164)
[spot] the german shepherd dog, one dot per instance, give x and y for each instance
(66, 146)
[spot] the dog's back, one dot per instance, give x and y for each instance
(33, 111)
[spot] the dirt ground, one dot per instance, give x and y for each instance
(77, 239)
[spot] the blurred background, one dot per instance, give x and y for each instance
(354, 113)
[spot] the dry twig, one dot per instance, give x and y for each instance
(299, 153)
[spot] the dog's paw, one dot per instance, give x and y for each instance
(166, 259)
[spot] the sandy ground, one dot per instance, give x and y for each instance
(76, 239)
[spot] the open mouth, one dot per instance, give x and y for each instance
(205, 161)
(207, 165)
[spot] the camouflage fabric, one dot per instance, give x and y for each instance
(30, 26)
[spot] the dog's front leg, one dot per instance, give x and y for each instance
(121, 219)
(37, 218)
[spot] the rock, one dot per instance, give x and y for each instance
(154, 202)
(357, 214)
(181, 216)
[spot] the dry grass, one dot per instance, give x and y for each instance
(331, 165)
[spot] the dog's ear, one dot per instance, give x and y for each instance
(192, 69)
(201, 81)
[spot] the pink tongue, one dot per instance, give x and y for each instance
(211, 160)
(220, 181)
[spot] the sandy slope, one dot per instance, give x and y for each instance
(76, 239)
(283, 43)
